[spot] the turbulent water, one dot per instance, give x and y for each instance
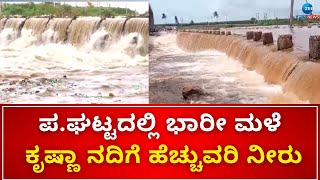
(289, 68)
(86, 60)
(226, 80)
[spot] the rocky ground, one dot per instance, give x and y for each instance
(11, 90)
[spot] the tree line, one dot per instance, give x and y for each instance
(63, 10)
(177, 22)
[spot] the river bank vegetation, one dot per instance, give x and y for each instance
(62, 10)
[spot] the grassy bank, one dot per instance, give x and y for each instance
(62, 10)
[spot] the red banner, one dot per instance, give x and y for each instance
(226, 142)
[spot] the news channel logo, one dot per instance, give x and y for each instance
(307, 8)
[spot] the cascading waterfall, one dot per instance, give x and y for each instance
(32, 31)
(57, 30)
(139, 25)
(11, 30)
(294, 75)
(114, 26)
(73, 60)
(77, 32)
(14, 23)
(2, 23)
(81, 29)
(35, 26)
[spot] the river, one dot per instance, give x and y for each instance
(62, 60)
(225, 79)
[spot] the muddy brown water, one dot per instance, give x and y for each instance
(87, 60)
(226, 79)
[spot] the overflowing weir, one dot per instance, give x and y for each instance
(74, 31)
(74, 60)
(295, 76)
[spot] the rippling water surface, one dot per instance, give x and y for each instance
(225, 79)
(89, 66)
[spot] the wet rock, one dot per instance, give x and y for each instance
(314, 47)
(65, 76)
(190, 92)
(9, 89)
(44, 81)
(134, 40)
(25, 82)
(267, 38)
(13, 83)
(37, 92)
(249, 35)
(101, 42)
(257, 36)
(111, 95)
(284, 42)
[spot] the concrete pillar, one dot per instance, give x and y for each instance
(222, 33)
(249, 35)
(257, 36)
(228, 33)
(314, 47)
(267, 38)
(284, 42)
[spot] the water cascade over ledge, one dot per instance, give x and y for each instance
(301, 78)
(74, 60)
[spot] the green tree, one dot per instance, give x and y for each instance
(253, 20)
(59, 10)
(164, 17)
(176, 20)
(216, 15)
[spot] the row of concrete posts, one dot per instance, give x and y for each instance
(284, 41)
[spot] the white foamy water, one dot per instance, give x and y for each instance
(35, 70)
(225, 79)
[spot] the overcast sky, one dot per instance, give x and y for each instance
(201, 10)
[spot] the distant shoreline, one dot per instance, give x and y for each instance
(63, 10)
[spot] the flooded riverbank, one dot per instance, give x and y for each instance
(225, 80)
(87, 60)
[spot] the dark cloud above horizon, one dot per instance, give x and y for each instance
(202, 10)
